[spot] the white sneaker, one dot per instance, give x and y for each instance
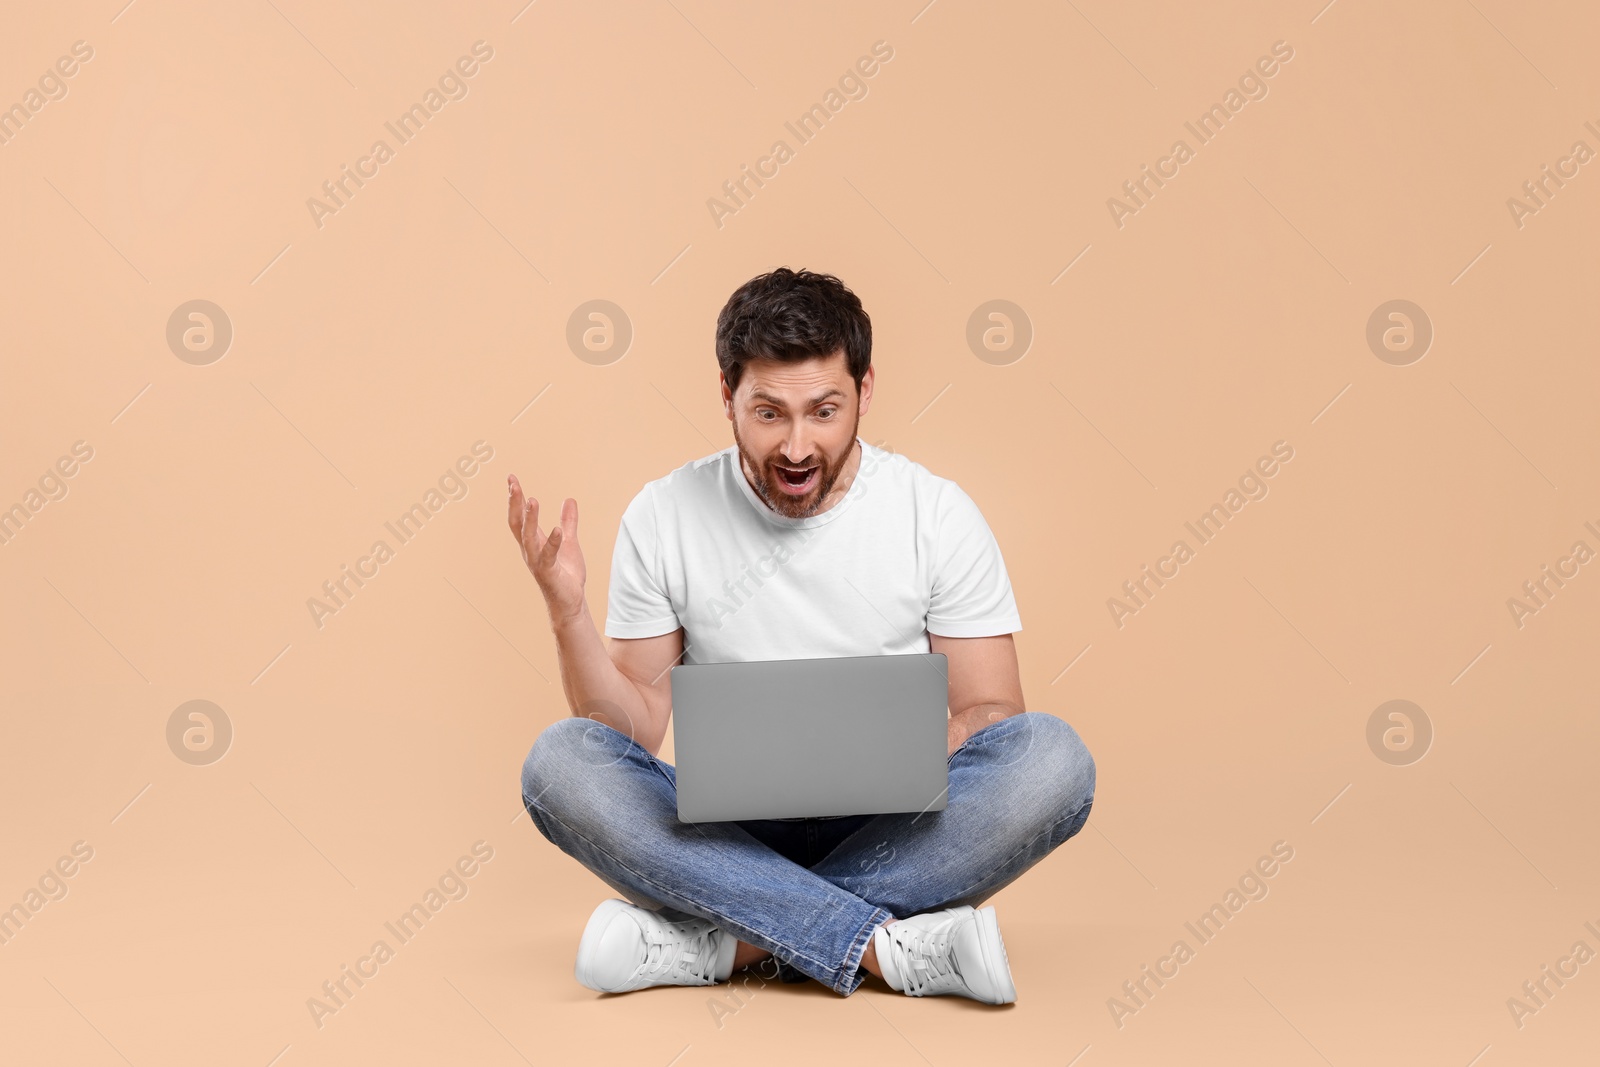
(957, 951)
(626, 947)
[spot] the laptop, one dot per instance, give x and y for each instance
(785, 739)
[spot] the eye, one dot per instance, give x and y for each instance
(827, 412)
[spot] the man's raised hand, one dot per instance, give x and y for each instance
(556, 561)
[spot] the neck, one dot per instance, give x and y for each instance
(847, 477)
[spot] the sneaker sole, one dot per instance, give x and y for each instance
(583, 970)
(994, 955)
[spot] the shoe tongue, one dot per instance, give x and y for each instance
(699, 965)
(923, 959)
(669, 954)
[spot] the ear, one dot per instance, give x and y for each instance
(866, 391)
(727, 396)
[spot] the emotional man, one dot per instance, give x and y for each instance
(868, 553)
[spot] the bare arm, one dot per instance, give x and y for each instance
(985, 682)
(647, 663)
(628, 687)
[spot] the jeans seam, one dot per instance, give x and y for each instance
(848, 972)
(1080, 809)
(628, 741)
(738, 928)
(976, 738)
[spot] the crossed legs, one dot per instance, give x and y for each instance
(1018, 789)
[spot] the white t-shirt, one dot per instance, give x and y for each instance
(904, 554)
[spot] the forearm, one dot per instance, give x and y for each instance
(594, 687)
(965, 723)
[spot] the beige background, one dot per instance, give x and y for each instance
(430, 312)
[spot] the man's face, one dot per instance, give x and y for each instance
(795, 425)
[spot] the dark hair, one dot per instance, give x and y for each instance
(789, 315)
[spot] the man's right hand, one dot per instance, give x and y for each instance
(556, 561)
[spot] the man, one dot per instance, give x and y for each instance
(799, 541)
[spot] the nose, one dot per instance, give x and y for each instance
(797, 446)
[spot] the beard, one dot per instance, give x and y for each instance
(767, 477)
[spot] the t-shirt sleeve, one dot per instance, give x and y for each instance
(972, 594)
(637, 604)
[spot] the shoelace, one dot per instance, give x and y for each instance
(924, 957)
(672, 952)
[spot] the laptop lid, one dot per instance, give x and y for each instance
(776, 739)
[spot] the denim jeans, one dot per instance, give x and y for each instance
(811, 891)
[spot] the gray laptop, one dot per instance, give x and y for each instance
(779, 739)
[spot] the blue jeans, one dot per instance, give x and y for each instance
(810, 891)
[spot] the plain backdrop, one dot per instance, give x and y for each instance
(1145, 359)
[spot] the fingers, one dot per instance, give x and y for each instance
(514, 508)
(532, 540)
(524, 520)
(522, 515)
(517, 506)
(550, 550)
(569, 520)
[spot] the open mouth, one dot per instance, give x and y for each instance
(796, 479)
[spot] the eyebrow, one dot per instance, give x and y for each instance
(819, 398)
